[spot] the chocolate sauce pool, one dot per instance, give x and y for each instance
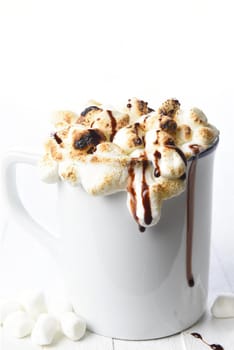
(212, 346)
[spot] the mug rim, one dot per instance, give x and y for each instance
(207, 151)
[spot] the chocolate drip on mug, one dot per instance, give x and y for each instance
(190, 215)
(190, 221)
(212, 346)
(145, 195)
(113, 124)
(131, 189)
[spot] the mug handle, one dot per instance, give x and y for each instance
(14, 203)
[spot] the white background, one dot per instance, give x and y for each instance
(58, 54)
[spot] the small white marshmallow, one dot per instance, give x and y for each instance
(33, 302)
(45, 330)
(73, 326)
(223, 306)
(7, 307)
(18, 324)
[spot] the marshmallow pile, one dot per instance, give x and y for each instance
(31, 315)
(135, 149)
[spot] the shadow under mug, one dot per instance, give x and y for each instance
(128, 284)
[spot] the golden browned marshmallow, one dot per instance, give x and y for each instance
(183, 134)
(169, 107)
(109, 122)
(109, 164)
(168, 188)
(130, 137)
(48, 169)
(84, 141)
(150, 121)
(88, 115)
(172, 163)
(163, 138)
(168, 124)
(198, 116)
(68, 171)
(205, 135)
(136, 108)
(62, 119)
(52, 150)
(61, 135)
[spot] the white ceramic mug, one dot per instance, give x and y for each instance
(125, 283)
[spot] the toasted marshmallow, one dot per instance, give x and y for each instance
(68, 171)
(48, 170)
(169, 108)
(193, 117)
(108, 164)
(130, 138)
(205, 135)
(171, 163)
(89, 114)
(136, 108)
(109, 122)
(84, 141)
(61, 119)
(183, 134)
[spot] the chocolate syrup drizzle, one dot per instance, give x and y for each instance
(113, 124)
(57, 138)
(138, 140)
(145, 195)
(212, 346)
(157, 156)
(190, 215)
(131, 189)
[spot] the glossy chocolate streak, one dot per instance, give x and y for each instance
(178, 150)
(138, 140)
(212, 346)
(131, 190)
(145, 195)
(157, 156)
(190, 220)
(89, 109)
(113, 125)
(57, 138)
(195, 148)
